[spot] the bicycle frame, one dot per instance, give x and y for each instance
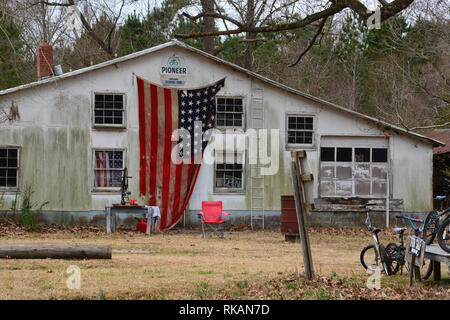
(417, 230)
(374, 236)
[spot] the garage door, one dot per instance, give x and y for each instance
(353, 167)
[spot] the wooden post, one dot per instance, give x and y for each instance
(300, 206)
(436, 270)
(414, 271)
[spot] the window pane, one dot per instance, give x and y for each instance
(12, 162)
(99, 120)
(344, 154)
(291, 137)
(308, 137)
(12, 153)
(326, 154)
(379, 155)
(362, 154)
(3, 153)
(11, 181)
(99, 98)
(118, 99)
(3, 162)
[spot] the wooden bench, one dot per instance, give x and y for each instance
(435, 253)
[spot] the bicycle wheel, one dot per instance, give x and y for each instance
(386, 262)
(369, 257)
(431, 227)
(444, 235)
(427, 268)
(425, 271)
(395, 256)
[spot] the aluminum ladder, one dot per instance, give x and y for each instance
(256, 179)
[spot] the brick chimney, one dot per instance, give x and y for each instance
(44, 56)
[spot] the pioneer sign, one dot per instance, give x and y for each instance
(173, 71)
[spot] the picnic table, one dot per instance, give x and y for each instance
(435, 253)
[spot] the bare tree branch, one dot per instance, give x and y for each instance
(431, 127)
(311, 43)
(386, 11)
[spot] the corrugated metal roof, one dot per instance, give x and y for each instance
(234, 66)
(441, 135)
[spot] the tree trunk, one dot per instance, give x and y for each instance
(55, 252)
(249, 36)
(208, 26)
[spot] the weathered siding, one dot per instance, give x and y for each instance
(56, 137)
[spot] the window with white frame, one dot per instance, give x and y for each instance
(109, 109)
(9, 168)
(229, 171)
(229, 112)
(108, 168)
(300, 129)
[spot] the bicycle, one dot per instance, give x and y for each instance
(437, 226)
(375, 254)
(396, 253)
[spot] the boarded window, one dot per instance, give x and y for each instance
(108, 168)
(355, 171)
(9, 167)
(109, 109)
(230, 113)
(300, 129)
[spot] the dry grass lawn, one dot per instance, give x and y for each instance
(177, 264)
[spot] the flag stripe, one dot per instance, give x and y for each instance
(167, 143)
(98, 171)
(148, 129)
(153, 142)
(172, 194)
(105, 176)
(160, 147)
(142, 138)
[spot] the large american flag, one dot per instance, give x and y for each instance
(166, 183)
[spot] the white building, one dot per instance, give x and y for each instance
(51, 141)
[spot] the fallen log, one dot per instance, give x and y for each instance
(55, 252)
